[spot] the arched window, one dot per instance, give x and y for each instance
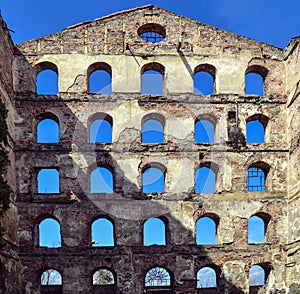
(48, 131)
(102, 233)
(153, 79)
(153, 128)
(99, 78)
(101, 181)
(49, 233)
(254, 80)
(51, 277)
(205, 180)
(255, 128)
(100, 128)
(206, 230)
(205, 129)
(152, 32)
(48, 181)
(103, 276)
(46, 78)
(204, 79)
(257, 173)
(154, 232)
(104, 281)
(206, 278)
(256, 276)
(157, 277)
(153, 180)
(257, 227)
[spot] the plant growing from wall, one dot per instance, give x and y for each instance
(5, 190)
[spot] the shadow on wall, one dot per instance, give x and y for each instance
(131, 266)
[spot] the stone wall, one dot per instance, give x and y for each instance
(114, 41)
(10, 267)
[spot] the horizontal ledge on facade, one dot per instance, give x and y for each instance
(183, 98)
(65, 198)
(203, 252)
(183, 147)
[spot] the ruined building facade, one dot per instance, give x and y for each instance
(114, 44)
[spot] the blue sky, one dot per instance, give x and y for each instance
(271, 21)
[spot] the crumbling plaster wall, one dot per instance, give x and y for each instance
(109, 40)
(201, 44)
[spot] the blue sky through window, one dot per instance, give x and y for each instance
(254, 84)
(51, 277)
(100, 131)
(101, 181)
(47, 82)
(102, 233)
(204, 131)
(203, 83)
(256, 276)
(255, 132)
(153, 180)
(205, 182)
(256, 179)
(152, 82)
(49, 233)
(100, 82)
(154, 232)
(205, 231)
(256, 230)
(48, 181)
(206, 278)
(48, 131)
(152, 131)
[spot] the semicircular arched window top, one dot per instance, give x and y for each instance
(152, 32)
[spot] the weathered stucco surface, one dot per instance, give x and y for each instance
(113, 40)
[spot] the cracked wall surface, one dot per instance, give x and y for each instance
(113, 40)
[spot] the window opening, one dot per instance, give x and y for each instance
(103, 277)
(254, 84)
(47, 82)
(152, 82)
(157, 276)
(255, 132)
(100, 82)
(256, 276)
(204, 132)
(48, 131)
(204, 83)
(102, 233)
(51, 277)
(152, 131)
(154, 232)
(256, 230)
(152, 33)
(49, 233)
(152, 37)
(256, 179)
(206, 231)
(206, 278)
(153, 180)
(101, 181)
(101, 131)
(205, 181)
(48, 181)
